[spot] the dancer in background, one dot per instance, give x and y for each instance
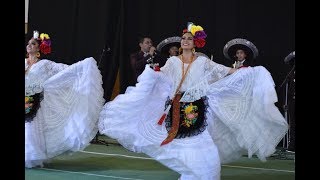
(62, 103)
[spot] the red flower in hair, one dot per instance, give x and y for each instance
(44, 48)
(199, 42)
(184, 31)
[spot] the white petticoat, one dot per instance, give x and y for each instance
(68, 115)
(242, 118)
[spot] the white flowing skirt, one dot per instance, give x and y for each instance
(68, 115)
(131, 118)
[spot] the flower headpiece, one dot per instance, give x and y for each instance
(198, 34)
(45, 42)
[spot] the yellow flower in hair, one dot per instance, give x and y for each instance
(194, 29)
(43, 35)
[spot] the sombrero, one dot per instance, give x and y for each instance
(290, 57)
(233, 45)
(164, 45)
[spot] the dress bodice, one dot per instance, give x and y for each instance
(202, 72)
(38, 73)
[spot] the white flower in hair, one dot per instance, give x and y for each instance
(35, 34)
(189, 27)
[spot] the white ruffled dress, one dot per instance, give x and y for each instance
(241, 117)
(68, 115)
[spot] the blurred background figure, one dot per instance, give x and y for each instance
(169, 46)
(288, 86)
(146, 55)
(241, 51)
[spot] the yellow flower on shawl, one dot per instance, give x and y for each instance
(188, 109)
(28, 99)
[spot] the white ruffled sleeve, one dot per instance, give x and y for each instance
(145, 81)
(214, 71)
(167, 68)
(39, 73)
(53, 68)
(148, 78)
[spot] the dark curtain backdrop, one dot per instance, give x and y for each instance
(82, 28)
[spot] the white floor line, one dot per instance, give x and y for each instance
(89, 174)
(136, 157)
(267, 169)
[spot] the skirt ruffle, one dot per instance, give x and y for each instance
(68, 115)
(241, 117)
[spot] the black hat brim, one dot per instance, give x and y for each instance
(229, 50)
(165, 45)
(165, 49)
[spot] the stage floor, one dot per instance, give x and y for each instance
(113, 162)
